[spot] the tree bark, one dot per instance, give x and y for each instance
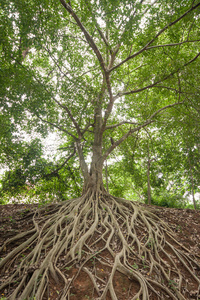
(192, 181)
(107, 189)
(93, 178)
(148, 184)
(148, 178)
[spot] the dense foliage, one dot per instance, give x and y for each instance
(136, 63)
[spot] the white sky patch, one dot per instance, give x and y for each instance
(88, 159)
(51, 144)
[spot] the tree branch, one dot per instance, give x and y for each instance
(125, 136)
(86, 33)
(61, 166)
(155, 83)
(191, 60)
(61, 105)
(98, 55)
(83, 164)
(106, 42)
(171, 45)
(172, 89)
(164, 108)
(112, 99)
(71, 117)
(55, 61)
(119, 124)
(151, 41)
(58, 127)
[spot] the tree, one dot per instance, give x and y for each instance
(99, 72)
(30, 177)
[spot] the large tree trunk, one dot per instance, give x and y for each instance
(93, 178)
(94, 181)
(148, 184)
(148, 178)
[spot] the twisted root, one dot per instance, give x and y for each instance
(102, 237)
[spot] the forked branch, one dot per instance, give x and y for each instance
(55, 172)
(126, 135)
(158, 81)
(58, 127)
(88, 37)
(156, 36)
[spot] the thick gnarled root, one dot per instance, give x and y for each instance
(105, 241)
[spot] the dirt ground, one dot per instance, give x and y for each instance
(15, 218)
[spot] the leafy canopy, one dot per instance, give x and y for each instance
(97, 70)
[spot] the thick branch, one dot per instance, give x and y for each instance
(61, 105)
(54, 172)
(58, 127)
(106, 42)
(119, 124)
(108, 111)
(86, 33)
(73, 120)
(83, 165)
(125, 136)
(155, 83)
(98, 54)
(171, 45)
(172, 89)
(157, 35)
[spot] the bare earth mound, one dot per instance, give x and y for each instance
(99, 247)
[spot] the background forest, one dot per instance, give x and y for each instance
(164, 163)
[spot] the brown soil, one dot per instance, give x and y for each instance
(15, 218)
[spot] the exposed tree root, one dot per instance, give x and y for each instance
(103, 237)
